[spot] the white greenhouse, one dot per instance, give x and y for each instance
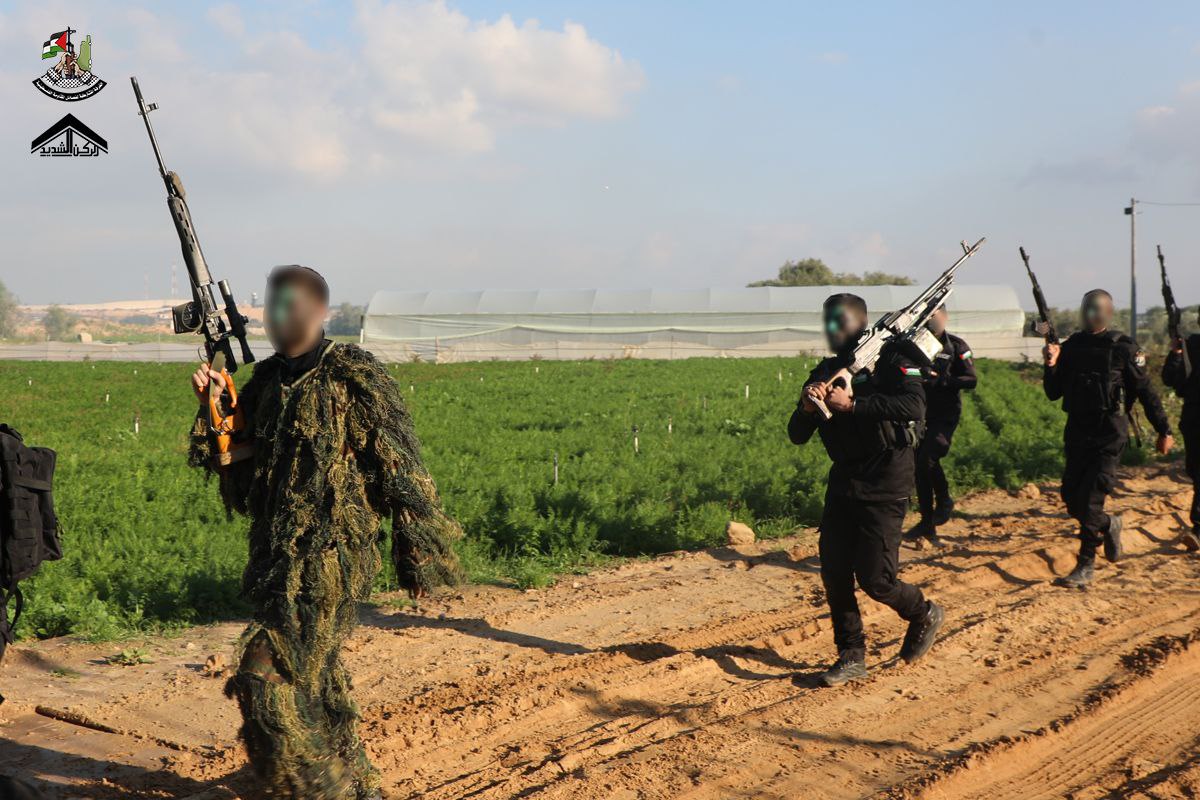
(450, 326)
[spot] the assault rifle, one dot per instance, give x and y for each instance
(1044, 327)
(905, 326)
(217, 324)
(1174, 314)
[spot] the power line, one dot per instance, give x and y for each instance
(1152, 203)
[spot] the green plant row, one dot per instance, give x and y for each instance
(148, 545)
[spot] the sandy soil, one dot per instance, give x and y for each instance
(692, 676)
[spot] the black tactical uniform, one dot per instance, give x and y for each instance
(955, 368)
(870, 482)
(1188, 387)
(1098, 376)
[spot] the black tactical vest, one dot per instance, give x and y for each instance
(1094, 387)
(29, 529)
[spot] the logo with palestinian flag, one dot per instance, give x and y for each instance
(70, 77)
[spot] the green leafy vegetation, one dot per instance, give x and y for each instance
(130, 657)
(8, 312)
(345, 320)
(814, 272)
(149, 547)
(59, 324)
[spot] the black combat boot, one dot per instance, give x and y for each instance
(945, 507)
(1191, 539)
(922, 533)
(1113, 551)
(1085, 566)
(850, 666)
(922, 633)
(917, 534)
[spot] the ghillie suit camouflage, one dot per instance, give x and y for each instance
(334, 453)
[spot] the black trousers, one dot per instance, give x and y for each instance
(931, 478)
(1088, 480)
(861, 541)
(1191, 446)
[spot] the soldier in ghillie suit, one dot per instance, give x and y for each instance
(328, 452)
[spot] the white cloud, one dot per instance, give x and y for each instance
(417, 78)
(154, 37)
(420, 77)
(228, 19)
(832, 57)
(1165, 133)
(1151, 113)
(443, 78)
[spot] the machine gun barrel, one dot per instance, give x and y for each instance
(928, 301)
(906, 325)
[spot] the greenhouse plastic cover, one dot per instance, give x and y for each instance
(463, 325)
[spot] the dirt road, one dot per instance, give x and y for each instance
(692, 676)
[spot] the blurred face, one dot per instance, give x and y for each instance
(937, 323)
(294, 317)
(1096, 311)
(843, 324)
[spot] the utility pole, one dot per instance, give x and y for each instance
(1132, 212)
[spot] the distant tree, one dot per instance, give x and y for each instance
(1152, 323)
(345, 320)
(876, 278)
(140, 319)
(8, 312)
(814, 272)
(59, 323)
(807, 272)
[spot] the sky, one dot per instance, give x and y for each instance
(470, 144)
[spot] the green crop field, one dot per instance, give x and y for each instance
(149, 546)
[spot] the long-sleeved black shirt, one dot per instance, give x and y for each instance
(1187, 387)
(1099, 376)
(955, 368)
(871, 460)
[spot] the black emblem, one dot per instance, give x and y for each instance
(69, 137)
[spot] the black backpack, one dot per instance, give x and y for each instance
(29, 529)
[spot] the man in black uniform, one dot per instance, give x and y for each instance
(1187, 386)
(1098, 373)
(953, 371)
(871, 439)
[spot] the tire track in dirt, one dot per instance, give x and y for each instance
(1119, 736)
(624, 735)
(673, 677)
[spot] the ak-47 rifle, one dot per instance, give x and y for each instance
(905, 325)
(1044, 327)
(1174, 314)
(217, 324)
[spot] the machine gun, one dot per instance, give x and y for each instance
(1044, 327)
(1174, 314)
(905, 326)
(217, 324)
